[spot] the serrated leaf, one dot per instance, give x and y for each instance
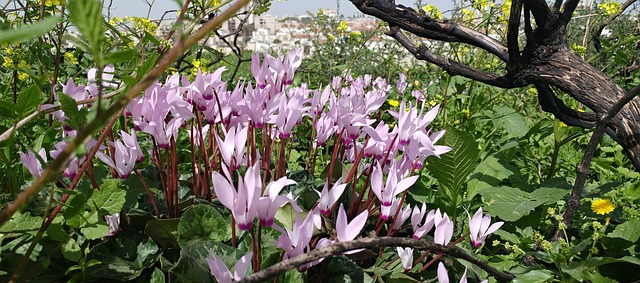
(22, 223)
(489, 173)
(76, 118)
(120, 56)
(163, 231)
(27, 32)
(192, 265)
(629, 230)
(123, 258)
(71, 250)
(86, 15)
(28, 99)
(549, 195)
(110, 198)
(452, 168)
(511, 121)
(507, 203)
(203, 223)
(157, 276)
(534, 276)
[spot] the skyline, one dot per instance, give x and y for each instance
(122, 8)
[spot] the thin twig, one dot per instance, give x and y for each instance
(372, 243)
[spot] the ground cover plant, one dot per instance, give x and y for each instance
(130, 156)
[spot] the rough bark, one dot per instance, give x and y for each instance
(544, 62)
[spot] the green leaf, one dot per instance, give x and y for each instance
(509, 120)
(22, 223)
(76, 118)
(157, 276)
(549, 195)
(629, 230)
(110, 198)
(342, 269)
(120, 56)
(163, 231)
(452, 168)
(507, 203)
(28, 99)
(203, 223)
(489, 173)
(71, 250)
(123, 258)
(93, 228)
(28, 32)
(192, 265)
(534, 276)
(86, 15)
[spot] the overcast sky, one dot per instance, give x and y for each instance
(121, 8)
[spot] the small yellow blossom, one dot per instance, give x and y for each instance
(432, 11)
(50, 3)
(609, 8)
(23, 76)
(69, 56)
(467, 113)
(578, 50)
(602, 206)
(393, 102)
(7, 62)
(342, 27)
(432, 103)
(8, 50)
(331, 38)
(562, 124)
(416, 83)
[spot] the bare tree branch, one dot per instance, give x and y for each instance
(423, 26)
(372, 243)
(452, 67)
(513, 30)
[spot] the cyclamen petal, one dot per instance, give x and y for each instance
(349, 231)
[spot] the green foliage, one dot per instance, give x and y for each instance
(86, 15)
(29, 32)
(203, 222)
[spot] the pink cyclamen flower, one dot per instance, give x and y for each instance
(479, 227)
(269, 205)
(243, 203)
(113, 221)
(443, 277)
(124, 158)
(32, 163)
(348, 231)
(222, 274)
(406, 257)
(395, 185)
(329, 197)
(444, 229)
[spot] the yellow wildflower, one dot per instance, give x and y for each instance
(23, 76)
(416, 83)
(393, 102)
(602, 206)
(467, 113)
(432, 11)
(50, 3)
(562, 124)
(7, 62)
(609, 8)
(8, 50)
(578, 49)
(342, 27)
(69, 56)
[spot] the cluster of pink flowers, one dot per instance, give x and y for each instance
(343, 111)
